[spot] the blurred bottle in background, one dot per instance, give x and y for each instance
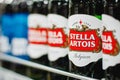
(7, 33)
(37, 37)
(19, 41)
(58, 37)
(111, 40)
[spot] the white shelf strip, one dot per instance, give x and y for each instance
(6, 74)
(42, 67)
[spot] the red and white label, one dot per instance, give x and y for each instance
(109, 43)
(37, 35)
(57, 37)
(85, 44)
(84, 40)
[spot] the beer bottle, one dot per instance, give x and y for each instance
(57, 37)
(37, 47)
(19, 41)
(96, 8)
(78, 7)
(111, 63)
(7, 33)
(84, 57)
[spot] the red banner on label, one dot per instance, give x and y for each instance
(109, 43)
(84, 41)
(57, 38)
(37, 35)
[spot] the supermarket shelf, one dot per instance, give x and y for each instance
(41, 67)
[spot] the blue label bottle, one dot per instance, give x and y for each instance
(6, 33)
(19, 41)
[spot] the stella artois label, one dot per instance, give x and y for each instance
(84, 39)
(37, 35)
(57, 37)
(110, 41)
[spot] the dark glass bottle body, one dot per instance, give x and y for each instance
(8, 13)
(42, 9)
(59, 7)
(112, 8)
(94, 8)
(79, 7)
(21, 10)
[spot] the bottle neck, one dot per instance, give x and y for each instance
(110, 8)
(45, 7)
(60, 7)
(37, 7)
(79, 7)
(99, 8)
(23, 7)
(8, 9)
